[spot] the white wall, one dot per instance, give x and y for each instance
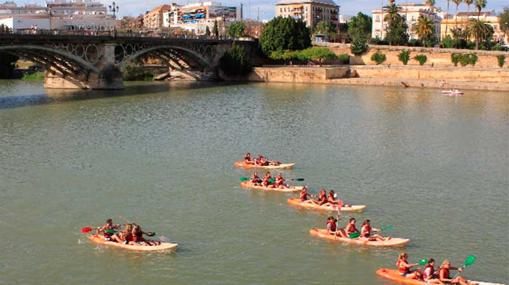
(25, 22)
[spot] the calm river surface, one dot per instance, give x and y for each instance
(435, 167)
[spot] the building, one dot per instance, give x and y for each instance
(154, 19)
(80, 15)
(310, 11)
(462, 19)
(27, 17)
(411, 12)
(196, 17)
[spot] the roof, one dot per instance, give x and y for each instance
(326, 2)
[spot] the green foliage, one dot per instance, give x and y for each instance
(501, 60)
(425, 29)
(481, 31)
(319, 54)
(455, 58)
(235, 61)
(36, 76)
(360, 26)
(284, 34)
(236, 29)
(344, 58)
(7, 65)
(464, 59)
(503, 20)
(421, 58)
(378, 57)
(323, 28)
(207, 31)
(359, 46)
(136, 73)
(396, 27)
(473, 58)
(215, 29)
(404, 56)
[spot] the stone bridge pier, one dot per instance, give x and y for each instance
(96, 62)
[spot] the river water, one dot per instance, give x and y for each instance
(434, 167)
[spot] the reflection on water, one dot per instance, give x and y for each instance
(161, 155)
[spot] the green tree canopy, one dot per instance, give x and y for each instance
(481, 31)
(425, 29)
(235, 62)
(284, 34)
(503, 20)
(360, 26)
(236, 29)
(397, 28)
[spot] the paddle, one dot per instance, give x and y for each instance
(469, 261)
(272, 180)
(86, 230)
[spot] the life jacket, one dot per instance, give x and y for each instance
(428, 273)
(402, 268)
(351, 229)
(303, 196)
(331, 225)
(447, 273)
(366, 231)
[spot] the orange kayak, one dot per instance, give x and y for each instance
(325, 207)
(250, 185)
(242, 164)
(393, 242)
(395, 276)
(164, 246)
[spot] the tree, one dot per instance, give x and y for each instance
(207, 31)
(359, 45)
(481, 31)
(215, 30)
(236, 29)
(284, 34)
(397, 27)
(503, 20)
(457, 2)
(468, 2)
(7, 63)
(430, 3)
(235, 61)
(324, 28)
(425, 29)
(360, 25)
(479, 5)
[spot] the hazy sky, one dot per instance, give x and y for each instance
(266, 7)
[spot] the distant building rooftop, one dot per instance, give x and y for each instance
(327, 2)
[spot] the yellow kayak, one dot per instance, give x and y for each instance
(164, 246)
(243, 164)
(325, 207)
(250, 185)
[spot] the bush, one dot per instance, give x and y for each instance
(501, 60)
(404, 56)
(455, 58)
(136, 73)
(473, 58)
(36, 76)
(319, 54)
(344, 58)
(378, 41)
(378, 57)
(421, 58)
(284, 34)
(359, 46)
(414, 43)
(235, 62)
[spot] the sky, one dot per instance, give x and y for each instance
(266, 7)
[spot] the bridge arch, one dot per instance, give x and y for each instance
(185, 54)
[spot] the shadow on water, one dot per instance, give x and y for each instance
(55, 96)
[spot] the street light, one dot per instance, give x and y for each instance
(113, 8)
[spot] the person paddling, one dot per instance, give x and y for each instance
(322, 198)
(255, 179)
(267, 179)
(280, 181)
(366, 232)
(429, 275)
(108, 229)
(304, 195)
(331, 225)
(445, 277)
(404, 267)
(350, 228)
(248, 159)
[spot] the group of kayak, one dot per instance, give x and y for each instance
(365, 236)
(261, 162)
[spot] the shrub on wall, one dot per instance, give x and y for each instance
(421, 58)
(235, 61)
(404, 56)
(378, 57)
(344, 58)
(501, 60)
(473, 58)
(359, 46)
(455, 58)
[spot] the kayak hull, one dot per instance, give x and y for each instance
(326, 207)
(393, 275)
(242, 164)
(393, 242)
(164, 246)
(249, 185)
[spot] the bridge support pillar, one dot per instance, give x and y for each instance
(110, 78)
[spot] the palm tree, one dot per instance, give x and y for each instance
(468, 2)
(480, 4)
(430, 3)
(480, 31)
(457, 2)
(425, 29)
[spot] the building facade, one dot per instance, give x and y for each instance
(411, 12)
(310, 11)
(80, 15)
(154, 19)
(461, 21)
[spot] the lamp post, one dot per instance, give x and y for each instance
(113, 9)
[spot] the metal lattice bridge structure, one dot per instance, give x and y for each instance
(95, 62)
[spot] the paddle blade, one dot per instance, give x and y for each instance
(354, 235)
(470, 260)
(151, 234)
(423, 262)
(299, 179)
(272, 180)
(244, 179)
(86, 230)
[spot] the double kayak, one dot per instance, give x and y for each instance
(243, 164)
(325, 207)
(395, 276)
(392, 242)
(250, 185)
(164, 246)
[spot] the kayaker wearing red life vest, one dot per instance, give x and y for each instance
(322, 198)
(366, 232)
(107, 229)
(280, 181)
(304, 194)
(330, 198)
(255, 179)
(266, 179)
(261, 160)
(404, 267)
(444, 274)
(331, 225)
(248, 159)
(429, 275)
(351, 228)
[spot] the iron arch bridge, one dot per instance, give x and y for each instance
(95, 62)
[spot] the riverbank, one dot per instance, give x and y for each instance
(492, 79)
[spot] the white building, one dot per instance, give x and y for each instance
(80, 15)
(196, 17)
(26, 22)
(411, 12)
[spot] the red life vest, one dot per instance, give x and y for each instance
(402, 268)
(366, 231)
(351, 229)
(429, 271)
(331, 225)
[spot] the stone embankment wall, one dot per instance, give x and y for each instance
(298, 74)
(436, 56)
